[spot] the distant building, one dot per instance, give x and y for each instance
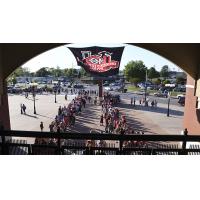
(47, 79)
(175, 74)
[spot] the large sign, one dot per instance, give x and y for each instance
(101, 61)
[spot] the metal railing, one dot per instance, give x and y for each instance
(85, 144)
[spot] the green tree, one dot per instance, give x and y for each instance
(42, 72)
(135, 80)
(180, 80)
(156, 81)
(135, 71)
(153, 73)
(18, 72)
(72, 72)
(21, 72)
(166, 82)
(164, 71)
(84, 73)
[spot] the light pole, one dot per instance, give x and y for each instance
(55, 91)
(168, 104)
(34, 99)
(145, 91)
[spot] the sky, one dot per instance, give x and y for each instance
(63, 57)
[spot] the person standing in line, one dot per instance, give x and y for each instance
(131, 100)
(134, 101)
(101, 120)
(41, 126)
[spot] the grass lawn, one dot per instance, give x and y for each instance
(132, 88)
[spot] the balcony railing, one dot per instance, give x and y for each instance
(86, 144)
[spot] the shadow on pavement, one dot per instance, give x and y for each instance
(150, 109)
(33, 116)
(45, 116)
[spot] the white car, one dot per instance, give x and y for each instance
(116, 88)
(107, 88)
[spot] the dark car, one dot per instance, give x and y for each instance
(78, 86)
(181, 101)
(159, 94)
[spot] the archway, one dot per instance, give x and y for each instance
(184, 55)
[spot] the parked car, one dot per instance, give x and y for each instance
(180, 95)
(160, 94)
(78, 86)
(116, 88)
(176, 89)
(181, 101)
(107, 88)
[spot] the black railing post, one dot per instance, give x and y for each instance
(184, 152)
(3, 145)
(153, 151)
(29, 149)
(59, 146)
(120, 147)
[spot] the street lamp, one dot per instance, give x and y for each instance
(34, 94)
(145, 92)
(55, 91)
(168, 104)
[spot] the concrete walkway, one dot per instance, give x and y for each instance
(151, 121)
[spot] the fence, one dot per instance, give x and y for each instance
(98, 144)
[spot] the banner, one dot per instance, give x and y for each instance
(100, 61)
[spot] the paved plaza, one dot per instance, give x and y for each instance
(150, 120)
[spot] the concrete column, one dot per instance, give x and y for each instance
(4, 110)
(192, 113)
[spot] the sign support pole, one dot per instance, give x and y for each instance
(100, 89)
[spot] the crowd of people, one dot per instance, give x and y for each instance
(114, 121)
(66, 116)
(111, 118)
(144, 102)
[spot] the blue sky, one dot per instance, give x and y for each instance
(63, 57)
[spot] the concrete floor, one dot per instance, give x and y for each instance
(152, 121)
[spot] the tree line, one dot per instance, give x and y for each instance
(46, 71)
(136, 71)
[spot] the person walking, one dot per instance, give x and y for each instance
(41, 126)
(24, 109)
(101, 120)
(134, 101)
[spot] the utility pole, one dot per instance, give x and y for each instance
(55, 91)
(168, 104)
(145, 92)
(34, 94)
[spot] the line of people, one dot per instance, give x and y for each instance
(144, 102)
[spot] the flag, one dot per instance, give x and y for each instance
(99, 61)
